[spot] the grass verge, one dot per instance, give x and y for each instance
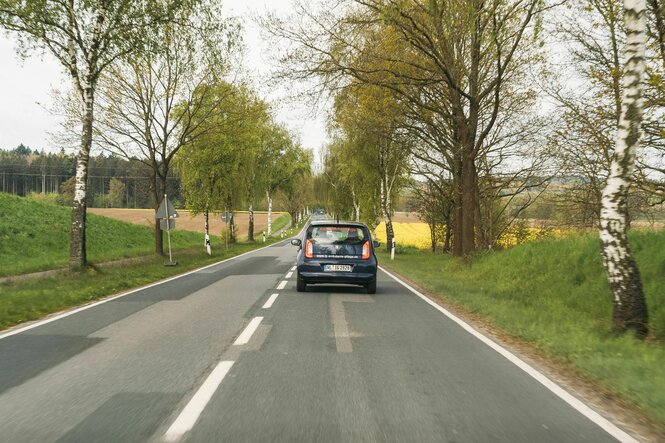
(34, 236)
(282, 221)
(553, 294)
(33, 299)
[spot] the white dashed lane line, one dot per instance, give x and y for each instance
(293, 268)
(282, 284)
(188, 417)
(270, 301)
(243, 338)
(289, 275)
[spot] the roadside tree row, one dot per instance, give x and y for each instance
(150, 79)
(491, 101)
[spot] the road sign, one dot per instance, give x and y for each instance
(163, 226)
(166, 210)
(167, 214)
(226, 217)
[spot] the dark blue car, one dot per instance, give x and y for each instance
(336, 252)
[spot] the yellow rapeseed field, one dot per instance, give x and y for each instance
(412, 234)
(417, 234)
(518, 235)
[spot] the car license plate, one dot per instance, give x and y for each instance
(334, 268)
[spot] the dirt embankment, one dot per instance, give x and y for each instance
(189, 222)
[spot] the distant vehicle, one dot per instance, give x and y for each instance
(336, 253)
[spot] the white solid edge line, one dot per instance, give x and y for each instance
(288, 275)
(111, 298)
(582, 408)
(243, 338)
(270, 301)
(190, 414)
(282, 284)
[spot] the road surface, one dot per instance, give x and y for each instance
(232, 353)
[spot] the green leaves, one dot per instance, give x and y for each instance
(241, 155)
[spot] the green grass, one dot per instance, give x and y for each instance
(554, 295)
(33, 299)
(282, 221)
(34, 236)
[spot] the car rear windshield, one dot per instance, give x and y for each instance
(337, 240)
(329, 235)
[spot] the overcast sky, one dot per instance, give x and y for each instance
(26, 85)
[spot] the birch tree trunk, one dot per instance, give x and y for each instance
(356, 206)
(385, 211)
(250, 228)
(385, 194)
(157, 197)
(269, 230)
(206, 225)
(232, 227)
(77, 246)
(630, 310)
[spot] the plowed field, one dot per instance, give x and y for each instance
(188, 222)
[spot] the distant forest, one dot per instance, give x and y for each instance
(112, 181)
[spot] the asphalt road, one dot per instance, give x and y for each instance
(215, 356)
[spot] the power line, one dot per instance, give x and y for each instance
(119, 177)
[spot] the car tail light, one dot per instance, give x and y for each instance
(309, 249)
(366, 250)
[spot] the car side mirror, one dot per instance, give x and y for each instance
(296, 242)
(376, 244)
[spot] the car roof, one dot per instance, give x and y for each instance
(336, 223)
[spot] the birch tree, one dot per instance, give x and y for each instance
(453, 61)
(584, 141)
(352, 175)
(371, 118)
(283, 160)
(86, 38)
(154, 104)
(218, 165)
(630, 310)
(257, 121)
(337, 179)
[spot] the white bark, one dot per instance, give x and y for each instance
(206, 240)
(621, 268)
(385, 190)
(80, 188)
(77, 246)
(385, 210)
(269, 214)
(356, 206)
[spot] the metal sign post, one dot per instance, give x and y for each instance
(167, 216)
(168, 231)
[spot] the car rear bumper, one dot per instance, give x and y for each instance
(311, 271)
(354, 278)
